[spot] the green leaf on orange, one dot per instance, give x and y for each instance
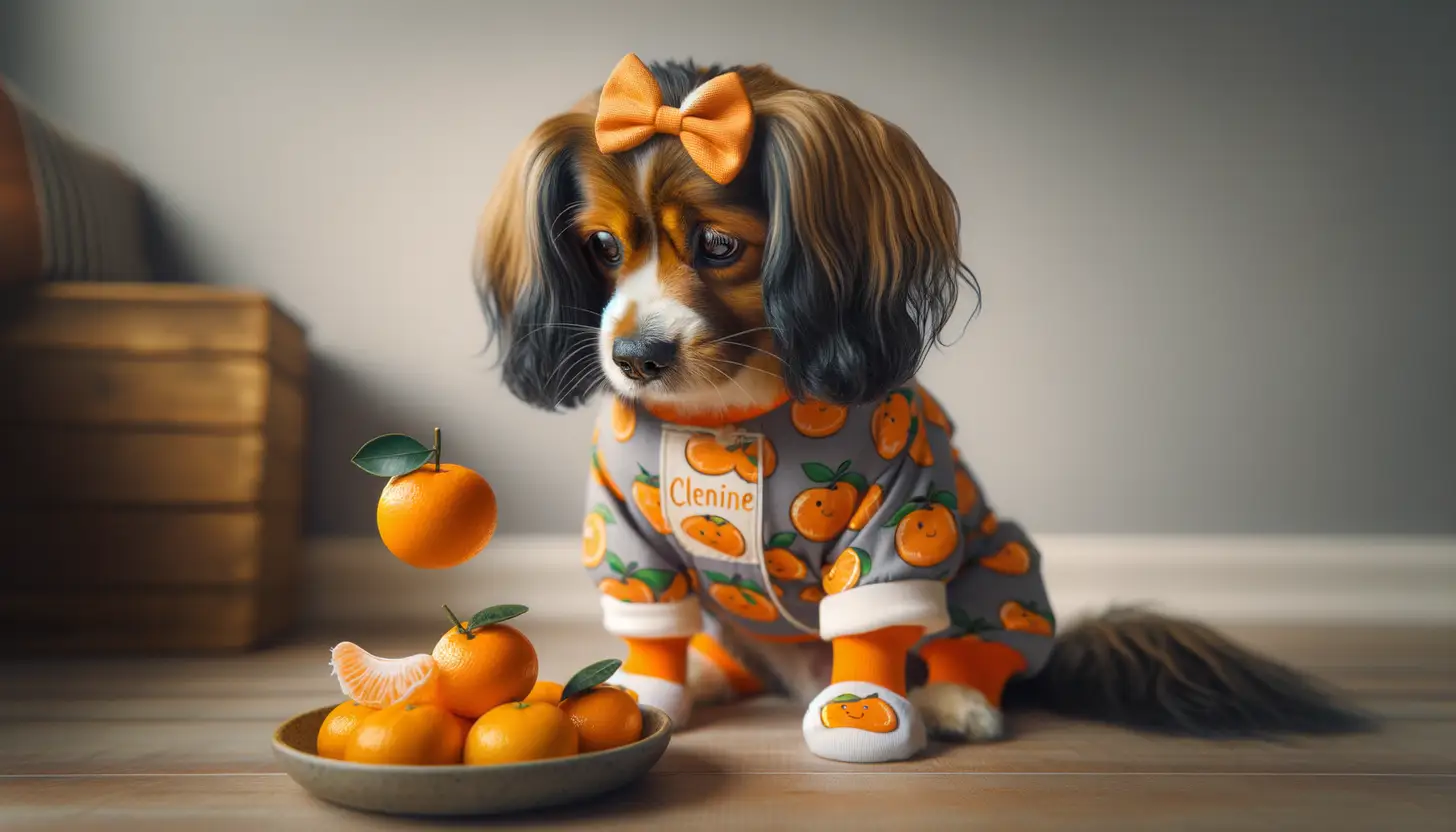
(946, 499)
(603, 512)
(589, 677)
(750, 584)
(845, 697)
(391, 455)
(904, 512)
(717, 577)
(782, 540)
(495, 615)
(716, 520)
(616, 564)
(658, 579)
(818, 472)
(860, 484)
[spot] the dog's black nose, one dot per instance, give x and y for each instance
(643, 358)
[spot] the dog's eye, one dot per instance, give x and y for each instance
(606, 248)
(716, 249)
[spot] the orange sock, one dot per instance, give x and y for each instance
(877, 657)
(740, 679)
(981, 665)
(660, 658)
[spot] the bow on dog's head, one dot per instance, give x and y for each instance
(711, 238)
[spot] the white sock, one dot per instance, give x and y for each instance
(670, 697)
(892, 728)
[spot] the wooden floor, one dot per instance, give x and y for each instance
(183, 744)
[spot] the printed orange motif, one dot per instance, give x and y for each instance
(966, 491)
(811, 595)
(932, 409)
(925, 528)
(890, 424)
(648, 496)
(1026, 617)
(920, 452)
(594, 536)
(642, 586)
(782, 563)
(707, 456)
(624, 419)
(851, 566)
(873, 499)
(599, 473)
(1013, 559)
(966, 628)
(716, 533)
(869, 713)
(821, 513)
(817, 419)
(989, 524)
(742, 597)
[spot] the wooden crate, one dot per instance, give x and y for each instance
(154, 438)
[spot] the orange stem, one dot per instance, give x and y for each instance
(437, 449)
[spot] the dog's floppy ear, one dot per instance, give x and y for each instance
(540, 294)
(862, 264)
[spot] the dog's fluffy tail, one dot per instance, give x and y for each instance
(1148, 671)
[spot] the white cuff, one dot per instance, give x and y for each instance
(876, 606)
(676, 619)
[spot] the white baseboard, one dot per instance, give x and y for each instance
(1263, 579)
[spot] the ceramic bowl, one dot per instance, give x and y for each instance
(449, 791)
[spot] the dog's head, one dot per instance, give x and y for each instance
(824, 266)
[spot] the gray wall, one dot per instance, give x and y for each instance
(1215, 238)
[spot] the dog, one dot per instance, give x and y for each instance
(755, 271)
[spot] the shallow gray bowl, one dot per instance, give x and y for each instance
(447, 791)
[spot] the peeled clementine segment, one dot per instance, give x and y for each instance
(377, 682)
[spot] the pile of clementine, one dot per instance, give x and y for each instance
(474, 700)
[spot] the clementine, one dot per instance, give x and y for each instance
(847, 570)
(934, 413)
(642, 586)
(925, 528)
(378, 682)
(716, 533)
(437, 517)
(519, 732)
(782, 563)
(594, 536)
(647, 493)
(624, 419)
(869, 713)
(604, 716)
(890, 424)
(1027, 617)
(484, 662)
(920, 452)
(742, 597)
(339, 725)
(822, 512)
(408, 735)
(544, 691)
(817, 419)
(1012, 559)
(865, 511)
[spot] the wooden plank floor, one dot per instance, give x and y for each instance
(183, 743)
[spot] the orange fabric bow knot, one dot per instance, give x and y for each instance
(715, 122)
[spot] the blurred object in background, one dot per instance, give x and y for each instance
(67, 211)
(154, 433)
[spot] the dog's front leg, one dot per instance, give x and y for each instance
(863, 716)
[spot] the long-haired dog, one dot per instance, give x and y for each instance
(756, 271)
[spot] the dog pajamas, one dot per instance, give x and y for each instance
(812, 521)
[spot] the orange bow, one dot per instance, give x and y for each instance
(715, 122)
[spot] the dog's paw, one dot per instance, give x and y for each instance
(956, 712)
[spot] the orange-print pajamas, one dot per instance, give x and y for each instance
(811, 520)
